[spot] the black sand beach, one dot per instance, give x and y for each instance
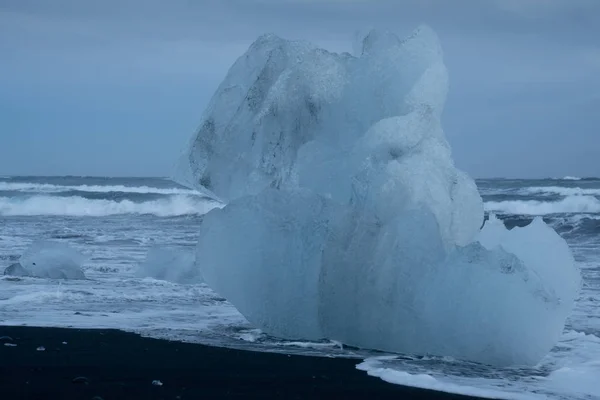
(110, 364)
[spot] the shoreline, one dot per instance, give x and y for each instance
(68, 363)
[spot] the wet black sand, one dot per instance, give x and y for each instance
(111, 364)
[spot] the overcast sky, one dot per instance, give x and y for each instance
(117, 87)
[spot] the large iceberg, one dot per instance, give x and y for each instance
(345, 216)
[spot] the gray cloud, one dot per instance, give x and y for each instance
(116, 87)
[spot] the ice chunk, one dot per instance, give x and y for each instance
(16, 269)
(246, 139)
(267, 260)
(304, 267)
(53, 260)
(281, 95)
(347, 219)
(491, 307)
(170, 264)
(373, 273)
(289, 114)
(545, 253)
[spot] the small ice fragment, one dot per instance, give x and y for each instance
(52, 260)
(10, 345)
(338, 344)
(176, 265)
(157, 383)
(81, 379)
(16, 269)
(64, 343)
(41, 348)
(251, 335)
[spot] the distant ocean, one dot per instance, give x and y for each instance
(116, 221)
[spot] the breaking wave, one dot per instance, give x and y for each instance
(568, 205)
(562, 191)
(50, 188)
(81, 207)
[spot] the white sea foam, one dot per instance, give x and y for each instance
(49, 188)
(562, 191)
(581, 379)
(573, 374)
(571, 178)
(312, 345)
(156, 308)
(81, 207)
(570, 204)
(250, 335)
(425, 381)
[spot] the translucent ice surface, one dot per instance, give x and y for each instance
(16, 269)
(346, 218)
(170, 264)
(53, 260)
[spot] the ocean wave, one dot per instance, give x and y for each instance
(561, 190)
(571, 178)
(577, 225)
(568, 225)
(50, 188)
(80, 207)
(568, 205)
